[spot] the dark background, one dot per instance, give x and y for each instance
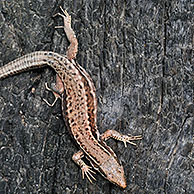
(139, 54)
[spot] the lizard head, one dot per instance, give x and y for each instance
(113, 171)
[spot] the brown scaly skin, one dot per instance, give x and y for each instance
(76, 90)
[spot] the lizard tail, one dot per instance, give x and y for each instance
(30, 61)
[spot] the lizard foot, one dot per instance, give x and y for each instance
(54, 93)
(118, 136)
(86, 170)
(128, 139)
(57, 89)
(66, 18)
(73, 47)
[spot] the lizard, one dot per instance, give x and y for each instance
(76, 90)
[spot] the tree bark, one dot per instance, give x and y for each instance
(140, 56)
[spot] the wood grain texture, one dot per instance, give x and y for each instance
(139, 54)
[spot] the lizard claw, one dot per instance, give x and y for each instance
(118, 136)
(129, 138)
(57, 96)
(66, 18)
(86, 170)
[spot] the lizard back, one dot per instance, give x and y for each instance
(79, 103)
(79, 106)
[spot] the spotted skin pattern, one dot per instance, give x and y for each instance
(77, 92)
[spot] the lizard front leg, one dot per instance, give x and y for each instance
(118, 136)
(86, 170)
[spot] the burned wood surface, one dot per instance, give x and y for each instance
(140, 56)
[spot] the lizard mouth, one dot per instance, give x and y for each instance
(115, 174)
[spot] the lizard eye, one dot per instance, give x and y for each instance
(119, 171)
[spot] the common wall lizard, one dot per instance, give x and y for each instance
(76, 90)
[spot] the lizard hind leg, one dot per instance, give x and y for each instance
(73, 47)
(57, 89)
(66, 19)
